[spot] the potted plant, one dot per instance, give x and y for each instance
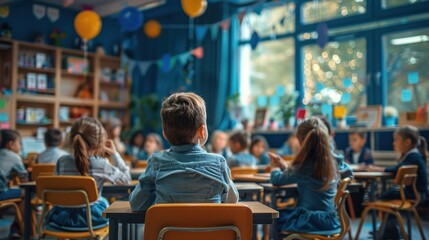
(287, 109)
(390, 114)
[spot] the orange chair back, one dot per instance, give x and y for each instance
(141, 164)
(340, 200)
(31, 158)
(406, 177)
(193, 219)
(243, 170)
(66, 190)
(42, 169)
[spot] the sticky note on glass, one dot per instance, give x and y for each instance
(406, 95)
(280, 90)
(413, 77)
(340, 112)
(2, 103)
(262, 101)
(274, 100)
(319, 87)
(347, 82)
(346, 98)
(326, 110)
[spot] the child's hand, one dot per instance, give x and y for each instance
(276, 161)
(109, 148)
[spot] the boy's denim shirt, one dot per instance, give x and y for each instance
(185, 173)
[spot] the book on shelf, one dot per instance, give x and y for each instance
(31, 81)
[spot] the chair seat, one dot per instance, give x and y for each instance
(391, 204)
(311, 236)
(102, 232)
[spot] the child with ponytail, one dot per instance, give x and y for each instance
(315, 172)
(88, 141)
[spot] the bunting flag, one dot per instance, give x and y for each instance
(241, 16)
(214, 30)
(131, 65)
(165, 63)
(143, 67)
(254, 40)
(67, 3)
(258, 9)
(200, 32)
(198, 52)
(225, 24)
(183, 57)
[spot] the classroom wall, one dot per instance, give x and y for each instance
(25, 26)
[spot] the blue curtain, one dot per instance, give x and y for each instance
(215, 77)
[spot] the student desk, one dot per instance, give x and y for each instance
(255, 178)
(109, 190)
(120, 212)
(248, 190)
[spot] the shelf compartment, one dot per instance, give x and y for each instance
(35, 98)
(113, 105)
(70, 101)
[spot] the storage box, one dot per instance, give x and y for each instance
(77, 65)
(420, 118)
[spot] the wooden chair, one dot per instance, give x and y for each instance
(405, 177)
(14, 203)
(141, 164)
(340, 200)
(193, 221)
(242, 170)
(68, 191)
(39, 169)
(31, 159)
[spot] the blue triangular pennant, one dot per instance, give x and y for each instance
(201, 32)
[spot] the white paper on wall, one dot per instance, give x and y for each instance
(39, 11)
(53, 14)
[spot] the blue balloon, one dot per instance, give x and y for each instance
(130, 19)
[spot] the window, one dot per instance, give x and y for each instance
(406, 60)
(272, 21)
(336, 74)
(266, 73)
(397, 3)
(317, 11)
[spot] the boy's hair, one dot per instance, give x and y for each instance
(182, 114)
(7, 136)
(257, 139)
(361, 133)
(412, 133)
(241, 138)
(86, 135)
(53, 137)
(135, 135)
(315, 150)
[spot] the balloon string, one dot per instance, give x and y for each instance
(85, 60)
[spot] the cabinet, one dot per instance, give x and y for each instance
(52, 87)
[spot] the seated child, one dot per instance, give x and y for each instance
(114, 129)
(135, 148)
(186, 172)
(412, 149)
(241, 157)
(315, 172)
(358, 153)
(10, 163)
(219, 144)
(89, 142)
(344, 169)
(291, 146)
(152, 144)
(258, 148)
(53, 139)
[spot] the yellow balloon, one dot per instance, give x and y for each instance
(152, 28)
(87, 24)
(194, 8)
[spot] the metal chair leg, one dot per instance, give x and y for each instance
(383, 224)
(401, 224)
(419, 223)
(362, 219)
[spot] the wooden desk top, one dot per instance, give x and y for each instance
(373, 175)
(243, 186)
(256, 178)
(293, 188)
(122, 210)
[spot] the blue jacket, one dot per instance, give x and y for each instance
(365, 156)
(184, 173)
(242, 159)
(413, 157)
(315, 212)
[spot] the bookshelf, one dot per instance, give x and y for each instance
(51, 87)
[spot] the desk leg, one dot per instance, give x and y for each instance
(113, 229)
(410, 232)
(373, 185)
(255, 231)
(274, 234)
(27, 214)
(125, 231)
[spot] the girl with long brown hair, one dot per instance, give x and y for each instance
(315, 172)
(88, 141)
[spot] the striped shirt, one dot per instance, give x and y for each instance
(99, 168)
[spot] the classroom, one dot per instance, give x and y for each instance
(214, 119)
